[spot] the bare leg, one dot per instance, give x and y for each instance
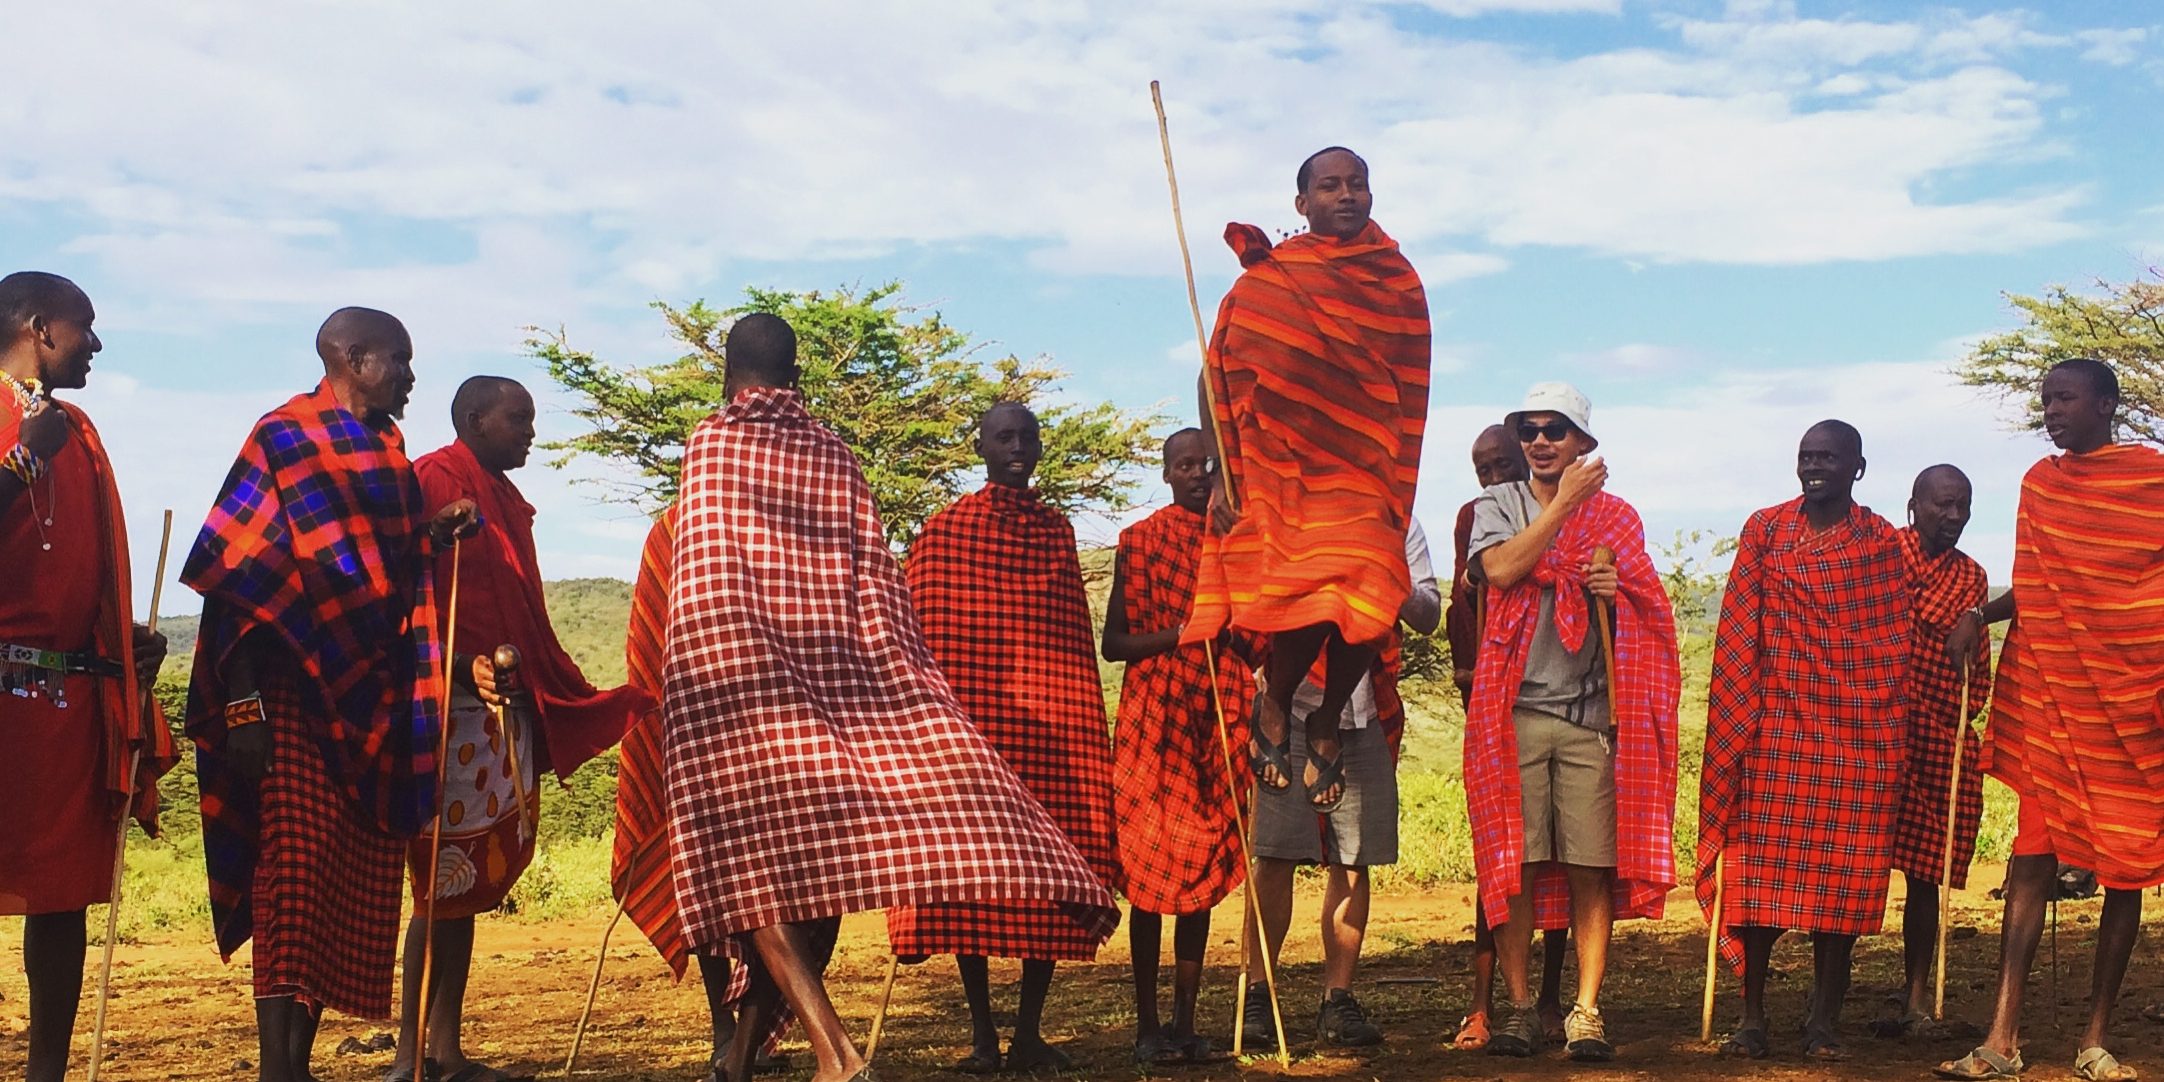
(755, 1013)
(1757, 961)
(301, 1039)
(977, 989)
(785, 953)
(2116, 930)
(53, 946)
(1483, 1000)
(1292, 657)
(1554, 943)
(1348, 664)
(1832, 964)
(1273, 893)
(1145, 938)
(447, 1001)
(1514, 945)
(714, 975)
(2028, 890)
(1344, 925)
(1029, 1020)
(274, 1018)
(1190, 939)
(1592, 918)
(1919, 943)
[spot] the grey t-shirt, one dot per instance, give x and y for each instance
(1571, 686)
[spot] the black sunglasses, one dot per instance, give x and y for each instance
(1556, 431)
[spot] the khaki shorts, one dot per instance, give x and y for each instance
(1566, 782)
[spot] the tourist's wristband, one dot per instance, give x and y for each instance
(24, 464)
(241, 713)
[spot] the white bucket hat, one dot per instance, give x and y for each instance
(1555, 396)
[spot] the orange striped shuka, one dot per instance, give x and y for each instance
(639, 866)
(2077, 725)
(1318, 376)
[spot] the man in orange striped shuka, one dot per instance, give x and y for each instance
(2077, 715)
(1315, 388)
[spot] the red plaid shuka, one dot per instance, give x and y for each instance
(817, 763)
(1941, 588)
(1172, 792)
(1806, 726)
(998, 589)
(1648, 685)
(318, 541)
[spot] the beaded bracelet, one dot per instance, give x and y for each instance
(241, 713)
(24, 464)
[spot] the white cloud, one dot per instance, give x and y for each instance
(2114, 47)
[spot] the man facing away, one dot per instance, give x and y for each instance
(1586, 817)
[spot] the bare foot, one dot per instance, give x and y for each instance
(1325, 774)
(1266, 749)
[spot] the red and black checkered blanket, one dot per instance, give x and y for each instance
(1806, 727)
(1941, 588)
(319, 539)
(998, 588)
(1173, 788)
(1648, 685)
(817, 763)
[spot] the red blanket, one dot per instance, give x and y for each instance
(998, 589)
(639, 866)
(1648, 684)
(319, 539)
(817, 764)
(1318, 373)
(2077, 721)
(500, 601)
(1941, 588)
(1806, 727)
(1173, 789)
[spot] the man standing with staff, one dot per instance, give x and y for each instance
(1570, 777)
(75, 667)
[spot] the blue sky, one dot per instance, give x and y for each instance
(1724, 221)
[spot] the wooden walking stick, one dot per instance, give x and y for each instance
(120, 839)
(879, 1021)
(1224, 733)
(506, 661)
(1713, 943)
(1604, 611)
(1946, 875)
(435, 831)
(593, 988)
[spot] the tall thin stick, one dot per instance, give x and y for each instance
(1604, 611)
(1713, 943)
(423, 1009)
(886, 998)
(593, 988)
(120, 838)
(1946, 875)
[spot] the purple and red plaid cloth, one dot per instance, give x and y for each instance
(1648, 685)
(998, 590)
(1806, 727)
(817, 763)
(1941, 588)
(318, 540)
(1173, 787)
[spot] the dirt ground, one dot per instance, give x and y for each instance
(179, 1014)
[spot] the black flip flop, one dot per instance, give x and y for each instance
(1328, 773)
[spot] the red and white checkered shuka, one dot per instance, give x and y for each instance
(1941, 588)
(999, 592)
(1648, 686)
(817, 763)
(1807, 726)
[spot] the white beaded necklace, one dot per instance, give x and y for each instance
(26, 396)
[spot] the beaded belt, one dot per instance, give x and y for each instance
(28, 672)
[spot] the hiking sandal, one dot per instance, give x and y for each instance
(1472, 1032)
(1980, 1065)
(2093, 1064)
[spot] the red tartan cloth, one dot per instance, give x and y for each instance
(817, 763)
(1648, 686)
(326, 891)
(1941, 588)
(1806, 727)
(500, 601)
(998, 590)
(1173, 788)
(1318, 376)
(2077, 717)
(319, 540)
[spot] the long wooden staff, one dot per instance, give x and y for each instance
(1604, 611)
(1713, 943)
(1224, 732)
(120, 839)
(506, 661)
(593, 988)
(435, 831)
(1946, 876)
(879, 1021)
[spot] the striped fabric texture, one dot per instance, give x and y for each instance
(1318, 374)
(2077, 720)
(1807, 726)
(639, 864)
(1941, 588)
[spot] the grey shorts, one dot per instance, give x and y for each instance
(1363, 831)
(1566, 785)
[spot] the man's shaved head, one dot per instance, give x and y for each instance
(363, 329)
(494, 416)
(45, 329)
(1003, 410)
(26, 295)
(1182, 436)
(1935, 476)
(2102, 380)
(479, 395)
(1187, 469)
(1939, 507)
(1307, 166)
(1845, 433)
(368, 358)
(1009, 441)
(1497, 457)
(761, 352)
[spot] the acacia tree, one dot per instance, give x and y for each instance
(899, 385)
(2121, 325)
